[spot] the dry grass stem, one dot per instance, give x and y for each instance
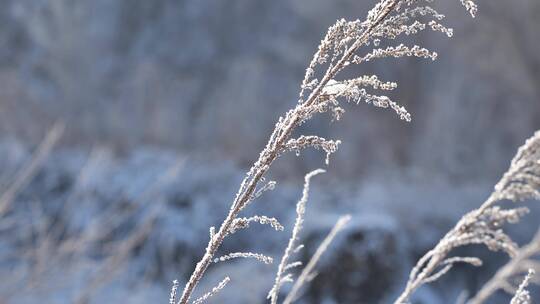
(519, 265)
(298, 223)
(484, 225)
(307, 273)
(25, 175)
(522, 295)
(346, 43)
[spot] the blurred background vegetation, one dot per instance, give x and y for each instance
(155, 83)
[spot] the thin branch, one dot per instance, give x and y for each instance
(522, 295)
(27, 173)
(337, 50)
(518, 265)
(483, 225)
(307, 272)
(300, 211)
(275, 144)
(212, 292)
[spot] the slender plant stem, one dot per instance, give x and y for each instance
(514, 266)
(274, 146)
(434, 260)
(25, 175)
(308, 270)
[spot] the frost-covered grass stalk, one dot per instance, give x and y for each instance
(309, 271)
(346, 43)
(520, 264)
(25, 175)
(484, 225)
(292, 245)
(522, 295)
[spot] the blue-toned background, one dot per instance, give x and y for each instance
(167, 103)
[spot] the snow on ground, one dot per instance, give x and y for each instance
(94, 227)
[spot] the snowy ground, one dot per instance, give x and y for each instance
(92, 227)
